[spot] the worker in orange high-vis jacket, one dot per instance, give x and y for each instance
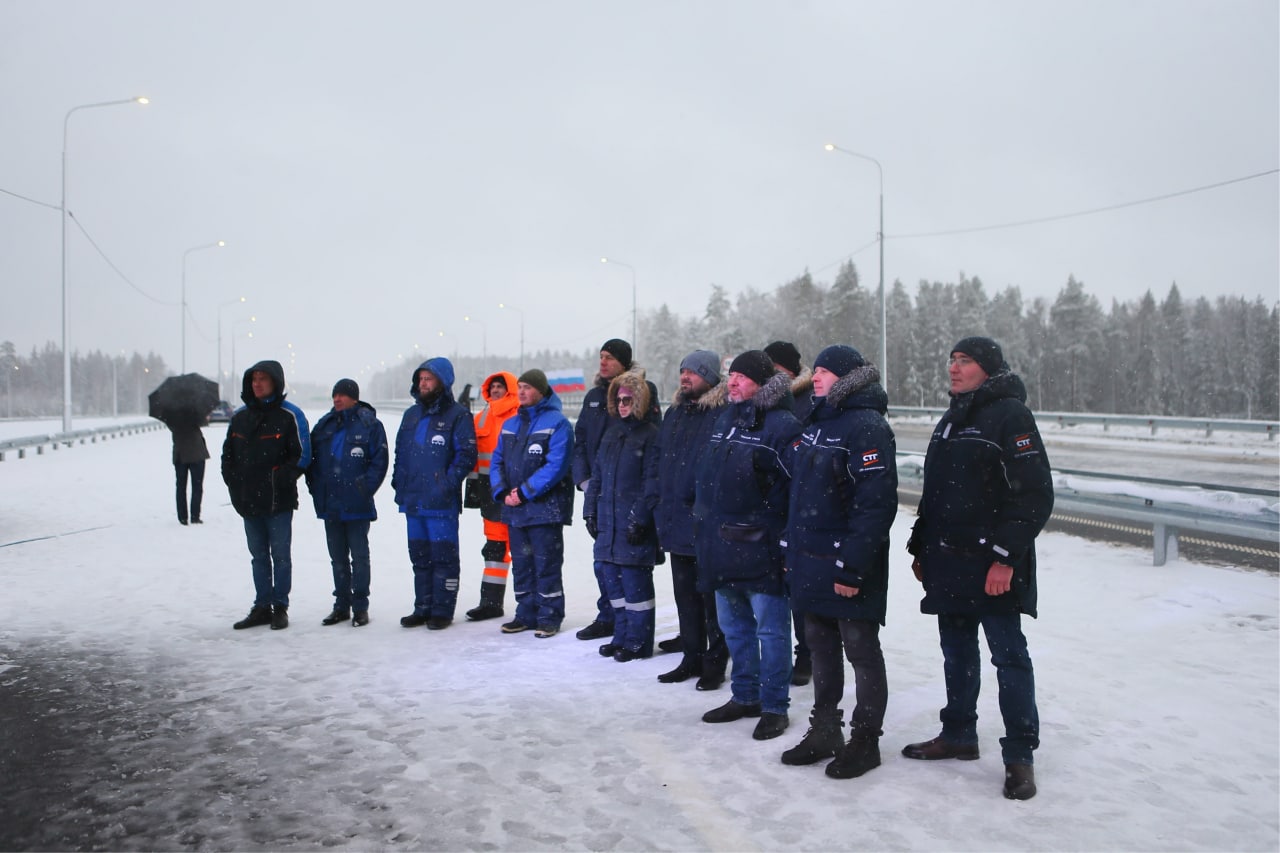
(499, 392)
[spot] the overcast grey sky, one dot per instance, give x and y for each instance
(381, 170)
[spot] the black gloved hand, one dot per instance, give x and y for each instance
(636, 533)
(592, 527)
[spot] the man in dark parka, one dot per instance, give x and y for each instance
(987, 494)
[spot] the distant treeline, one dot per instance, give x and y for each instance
(1198, 359)
(101, 384)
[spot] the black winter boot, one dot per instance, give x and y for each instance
(490, 606)
(823, 740)
(860, 754)
(257, 616)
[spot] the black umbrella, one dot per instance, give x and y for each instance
(183, 401)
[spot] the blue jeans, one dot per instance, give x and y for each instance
(537, 560)
(270, 540)
(433, 551)
(962, 667)
(349, 555)
(757, 629)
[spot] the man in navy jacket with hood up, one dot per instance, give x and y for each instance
(435, 450)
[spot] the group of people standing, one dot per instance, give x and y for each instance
(772, 488)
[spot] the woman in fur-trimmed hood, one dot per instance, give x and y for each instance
(619, 505)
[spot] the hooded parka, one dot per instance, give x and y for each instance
(988, 492)
(435, 448)
(488, 424)
(594, 417)
(268, 447)
(623, 490)
(843, 501)
(740, 503)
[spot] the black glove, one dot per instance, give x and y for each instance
(636, 533)
(592, 527)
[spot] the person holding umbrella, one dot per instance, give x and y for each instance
(182, 403)
(268, 447)
(189, 453)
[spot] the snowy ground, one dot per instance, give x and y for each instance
(144, 722)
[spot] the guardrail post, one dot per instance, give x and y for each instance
(1153, 426)
(1165, 543)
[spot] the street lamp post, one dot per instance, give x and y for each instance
(634, 343)
(217, 245)
(220, 307)
(66, 349)
(521, 313)
(884, 326)
(484, 345)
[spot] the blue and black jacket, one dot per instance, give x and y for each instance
(534, 454)
(268, 446)
(435, 448)
(349, 463)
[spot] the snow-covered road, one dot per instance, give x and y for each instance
(135, 718)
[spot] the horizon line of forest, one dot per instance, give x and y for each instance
(1204, 358)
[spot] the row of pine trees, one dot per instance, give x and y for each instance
(1205, 358)
(1168, 357)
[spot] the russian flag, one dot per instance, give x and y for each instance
(567, 380)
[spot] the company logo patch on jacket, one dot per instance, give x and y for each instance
(437, 440)
(871, 460)
(1024, 445)
(535, 449)
(357, 453)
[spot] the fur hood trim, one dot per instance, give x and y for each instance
(716, 397)
(634, 381)
(773, 393)
(803, 383)
(852, 382)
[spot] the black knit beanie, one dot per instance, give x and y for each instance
(785, 354)
(755, 365)
(619, 349)
(984, 351)
(347, 388)
(839, 359)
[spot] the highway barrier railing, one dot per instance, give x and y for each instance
(53, 441)
(1152, 422)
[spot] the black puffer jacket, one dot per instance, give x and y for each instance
(268, 447)
(740, 502)
(988, 493)
(844, 498)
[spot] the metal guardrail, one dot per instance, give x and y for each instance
(67, 439)
(1153, 422)
(1167, 519)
